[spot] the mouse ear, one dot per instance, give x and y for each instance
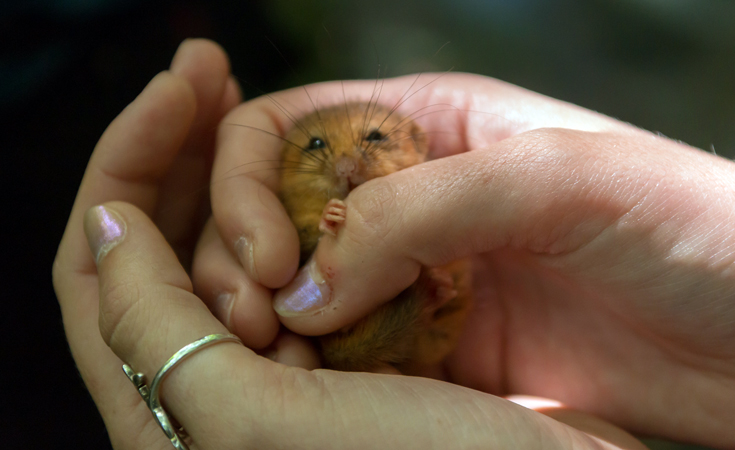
(418, 135)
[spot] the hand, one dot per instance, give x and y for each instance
(603, 254)
(226, 396)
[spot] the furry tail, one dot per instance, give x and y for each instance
(387, 336)
(419, 327)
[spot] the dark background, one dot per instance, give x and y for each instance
(67, 68)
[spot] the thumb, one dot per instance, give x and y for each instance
(547, 191)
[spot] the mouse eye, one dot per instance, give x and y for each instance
(316, 143)
(374, 136)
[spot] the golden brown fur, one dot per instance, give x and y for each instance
(421, 325)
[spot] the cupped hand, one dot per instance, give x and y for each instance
(603, 254)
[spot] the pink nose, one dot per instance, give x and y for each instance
(345, 167)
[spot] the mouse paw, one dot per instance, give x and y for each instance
(333, 216)
(441, 287)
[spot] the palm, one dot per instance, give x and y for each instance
(541, 331)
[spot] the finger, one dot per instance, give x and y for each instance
(148, 312)
(135, 154)
(179, 213)
(135, 150)
(242, 305)
(546, 192)
(205, 65)
(294, 351)
(132, 156)
(144, 291)
(231, 97)
(251, 221)
(128, 163)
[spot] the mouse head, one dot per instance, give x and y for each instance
(335, 149)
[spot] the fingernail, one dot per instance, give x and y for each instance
(246, 254)
(223, 307)
(307, 294)
(104, 229)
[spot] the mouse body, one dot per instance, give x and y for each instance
(327, 154)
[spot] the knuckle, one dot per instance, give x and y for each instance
(372, 212)
(554, 145)
(117, 300)
(548, 156)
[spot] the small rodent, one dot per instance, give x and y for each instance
(326, 155)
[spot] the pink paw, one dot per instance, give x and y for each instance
(333, 216)
(441, 287)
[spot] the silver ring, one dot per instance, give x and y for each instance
(177, 435)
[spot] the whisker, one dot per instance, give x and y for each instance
(347, 114)
(405, 98)
(377, 89)
(290, 116)
(306, 91)
(262, 131)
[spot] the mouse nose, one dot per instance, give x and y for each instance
(345, 167)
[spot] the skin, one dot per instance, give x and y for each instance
(606, 256)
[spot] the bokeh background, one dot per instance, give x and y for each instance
(67, 67)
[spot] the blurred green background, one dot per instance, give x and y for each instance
(666, 66)
(67, 67)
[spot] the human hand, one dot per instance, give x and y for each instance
(602, 253)
(226, 396)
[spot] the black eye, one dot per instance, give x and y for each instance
(316, 143)
(374, 136)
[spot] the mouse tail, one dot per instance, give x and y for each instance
(385, 337)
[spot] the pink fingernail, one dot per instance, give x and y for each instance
(246, 254)
(307, 294)
(104, 229)
(223, 308)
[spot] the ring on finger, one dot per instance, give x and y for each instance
(177, 435)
